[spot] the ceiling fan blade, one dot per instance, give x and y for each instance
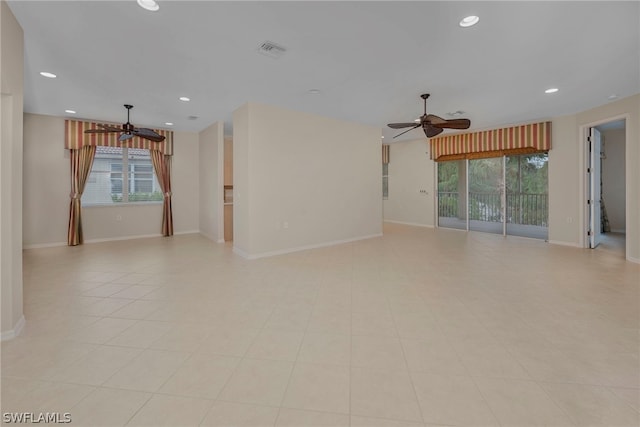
(111, 128)
(101, 131)
(432, 131)
(148, 134)
(125, 136)
(432, 119)
(402, 133)
(401, 125)
(455, 124)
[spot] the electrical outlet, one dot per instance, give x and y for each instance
(285, 225)
(569, 220)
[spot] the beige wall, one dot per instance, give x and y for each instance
(46, 181)
(410, 170)
(241, 206)
(564, 189)
(228, 161)
(11, 142)
(46, 191)
(303, 180)
(613, 178)
(228, 180)
(210, 179)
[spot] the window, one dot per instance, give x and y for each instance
(116, 169)
(385, 181)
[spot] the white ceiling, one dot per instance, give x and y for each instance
(371, 60)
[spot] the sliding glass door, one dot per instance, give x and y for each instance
(502, 195)
(485, 195)
(452, 194)
(527, 209)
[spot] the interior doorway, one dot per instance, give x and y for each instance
(606, 186)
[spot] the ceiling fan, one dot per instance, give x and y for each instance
(432, 125)
(128, 130)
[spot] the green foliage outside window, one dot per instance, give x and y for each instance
(139, 197)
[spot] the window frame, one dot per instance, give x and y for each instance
(127, 179)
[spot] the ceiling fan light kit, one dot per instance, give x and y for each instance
(431, 125)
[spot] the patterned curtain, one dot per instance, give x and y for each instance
(81, 161)
(162, 167)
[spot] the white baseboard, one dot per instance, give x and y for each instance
(12, 333)
(108, 239)
(302, 248)
(178, 233)
(561, 243)
(413, 224)
(113, 239)
(220, 241)
(44, 245)
(633, 260)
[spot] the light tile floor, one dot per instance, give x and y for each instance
(420, 327)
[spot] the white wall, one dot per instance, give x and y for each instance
(410, 170)
(211, 143)
(613, 178)
(303, 180)
(11, 142)
(46, 191)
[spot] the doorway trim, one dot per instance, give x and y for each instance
(583, 155)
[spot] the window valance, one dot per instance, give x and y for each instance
(523, 139)
(75, 138)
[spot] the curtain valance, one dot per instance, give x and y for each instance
(385, 154)
(523, 139)
(75, 138)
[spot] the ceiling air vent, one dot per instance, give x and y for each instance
(271, 49)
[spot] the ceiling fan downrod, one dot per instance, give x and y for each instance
(128, 126)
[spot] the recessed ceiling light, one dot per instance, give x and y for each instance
(48, 74)
(469, 21)
(184, 99)
(148, 5)
(612, 96)
(551, 90)
(314, 91)
(70, 111)
(382, 136)
(168, 123)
